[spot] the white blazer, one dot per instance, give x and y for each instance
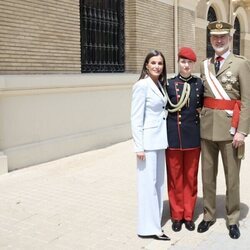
(148, 116)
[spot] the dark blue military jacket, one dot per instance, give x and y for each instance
(183, 126)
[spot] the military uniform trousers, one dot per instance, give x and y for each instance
(182, 169)
(210, 151)
(151, 190)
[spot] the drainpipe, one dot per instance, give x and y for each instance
(176, 36)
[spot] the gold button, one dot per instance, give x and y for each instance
(180, 122)
(179, 116)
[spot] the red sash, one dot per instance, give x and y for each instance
(233, 105)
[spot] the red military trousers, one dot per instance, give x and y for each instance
(182, 170)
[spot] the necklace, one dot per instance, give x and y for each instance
(185, 79)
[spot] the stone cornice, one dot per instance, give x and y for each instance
(190, 5)
(30, 84)
(201, 23)
(170, 2)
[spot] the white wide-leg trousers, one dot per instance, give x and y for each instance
(151, 191)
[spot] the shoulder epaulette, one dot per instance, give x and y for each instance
(239, 56)
(173, 77)
(209, 58)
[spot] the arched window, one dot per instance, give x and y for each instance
(102, 35)
(211, 16)
(236, 37)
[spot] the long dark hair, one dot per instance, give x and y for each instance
(163, 76)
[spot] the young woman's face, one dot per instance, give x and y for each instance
(186, 67)
(155, 67)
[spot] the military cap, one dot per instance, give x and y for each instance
(188, 53)
(219, 28)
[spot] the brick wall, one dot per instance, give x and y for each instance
(151, 27)
(39, 36)
(44, 36)
(130, 35)
(186, 28)
(200, 47)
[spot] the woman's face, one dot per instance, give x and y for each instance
(186, 67)
(155, 67)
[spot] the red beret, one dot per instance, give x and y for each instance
(187, 53)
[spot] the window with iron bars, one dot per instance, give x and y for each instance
(211, 16)
(236, 37)
(102, 35)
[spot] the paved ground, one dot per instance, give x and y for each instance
(88, 201)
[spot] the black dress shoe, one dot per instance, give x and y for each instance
(161, 237)
(205, 225)
(189, 224)
(156, 237)
(176, 226)
(234, 231)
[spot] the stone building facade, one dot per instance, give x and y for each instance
(49, 109)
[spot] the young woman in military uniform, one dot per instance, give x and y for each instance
(185, 93)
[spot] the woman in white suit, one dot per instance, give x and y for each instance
(149, 130)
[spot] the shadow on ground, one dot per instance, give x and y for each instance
(220, 209)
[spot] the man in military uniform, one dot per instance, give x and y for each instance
(225, 122)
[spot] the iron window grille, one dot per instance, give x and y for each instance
(236, 37)
(102, 35)
(211, 16)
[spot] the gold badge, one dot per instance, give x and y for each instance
(224, 79)
(229, 86)
(219, 25)
(233, 79)
(228, 79)
(229, 74)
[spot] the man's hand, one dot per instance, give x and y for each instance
(238, 140)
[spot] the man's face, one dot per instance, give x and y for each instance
(220, 43)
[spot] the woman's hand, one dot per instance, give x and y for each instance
(141, 156)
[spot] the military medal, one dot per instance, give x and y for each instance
(229, 86)
(228, 79)
(223, 79)
(229, 74)
(233, 79)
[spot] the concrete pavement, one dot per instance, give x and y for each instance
(88, 201)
